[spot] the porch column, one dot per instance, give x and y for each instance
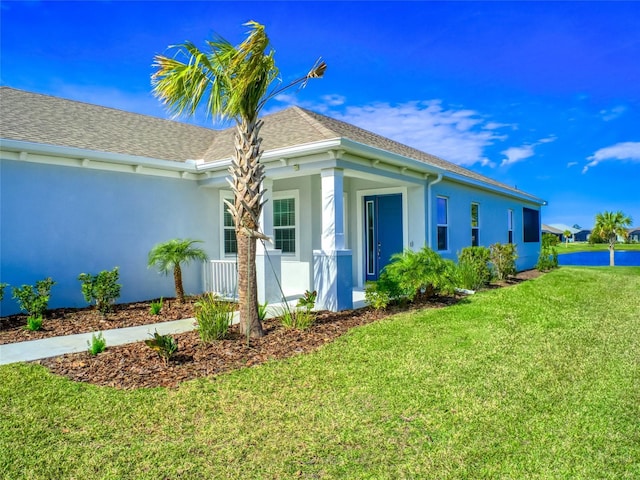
(332, 270)
(268, 265)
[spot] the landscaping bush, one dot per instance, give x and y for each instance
(101, 288)
(156, 307)
(34, 301)
(164, 345)
(503, 260)
(474, 271)
(34, 323)
(97, 345)
(214, 317)
(2, 287)
(548, 258)
(376, 295)
(298, 318)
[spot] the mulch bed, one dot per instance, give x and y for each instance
(136, 365)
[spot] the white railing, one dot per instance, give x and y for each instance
(221, 277)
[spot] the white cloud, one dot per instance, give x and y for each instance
(615, 112)
(571, 164)
(629, 151)
(517, 154)
(334, 99)
(459, 136)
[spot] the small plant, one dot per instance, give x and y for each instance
(214, 317)
(164, 345)
(156, 307)
(34, 301)
(262, 311)
(376, 297)
(97, 344)
(2, 287)
(503, 259)
(308, 300)
(548, 258)
(474, 271)
(102, 289)
(34, 323)
(298, 318)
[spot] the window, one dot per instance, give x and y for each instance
(510, 225)
(284, 224)
(475, 225)
(443, 223)
(531, 225)
(230, 241)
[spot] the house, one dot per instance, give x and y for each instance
(582, 235)
(633, 235)
(553, 231)
(561, 228)
(85, 188)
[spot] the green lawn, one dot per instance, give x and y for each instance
(539, 380)
(587, 247)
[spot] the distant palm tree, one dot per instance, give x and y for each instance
(168, 257)
(236, 83)
(609, 226)
(567, 236)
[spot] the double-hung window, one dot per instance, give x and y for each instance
(443, 223)
(229, 232)
(510, 225)
(475, 224)
(284, 224)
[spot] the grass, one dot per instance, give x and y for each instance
(597, 247)
(538, 380)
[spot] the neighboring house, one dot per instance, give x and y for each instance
(85, 188)
(553, 231)
(582, 235)
(561, 227)
(634, 235)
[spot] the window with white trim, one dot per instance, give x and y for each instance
(510, 225)
(443, 222)
(475, 224)
(285, 224)
(230, 243)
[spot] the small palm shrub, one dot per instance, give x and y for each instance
(474, 271)
(34, 323)
(164, 345)
(102, 289)
(156, 307)
(214, 317)
(34, 301)
(503, 260)
(97, 344)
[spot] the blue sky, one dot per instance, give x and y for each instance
(541, 95)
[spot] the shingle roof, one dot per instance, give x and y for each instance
(50, 120)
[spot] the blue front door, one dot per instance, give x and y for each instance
(383, 231)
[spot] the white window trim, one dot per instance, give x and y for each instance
(295, 194)
(510, 225)
(477, 227)
(224, 195)
(438, 224)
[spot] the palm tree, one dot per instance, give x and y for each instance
(567, 236)
(609, 226)
(233, 82)
(169, 256)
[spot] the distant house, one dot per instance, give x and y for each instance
(85, 188)
(582, 236)
(553, 231)
(634, 235)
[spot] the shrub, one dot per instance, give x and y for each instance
(308, 300)
(34, 301)
(376, 296)
(2, 287)
(550, 240)
(262, 311)
(97, 345)
(417, 273)
(156, 307)
(34, 323)
(473, 267)
(503, 259)
(101, 288)
(298, 318)
(164, 345)
(214, 317)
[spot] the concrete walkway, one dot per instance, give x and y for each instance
(55, 346)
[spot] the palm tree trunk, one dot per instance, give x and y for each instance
(247, 175)
(612, 254)
(177, 279)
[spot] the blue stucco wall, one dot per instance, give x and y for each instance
(61, 221)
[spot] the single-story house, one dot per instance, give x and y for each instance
(634, 235)
(553, 231)
(86, 188)
(582, 235)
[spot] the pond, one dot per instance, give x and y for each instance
(624, 258)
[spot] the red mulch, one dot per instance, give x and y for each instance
(135, 365)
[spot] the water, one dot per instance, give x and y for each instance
(623, 258)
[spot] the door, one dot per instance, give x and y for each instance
(383, 231)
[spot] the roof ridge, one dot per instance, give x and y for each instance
(309, 117)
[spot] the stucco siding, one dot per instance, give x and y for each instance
(61, 221)
(493, 221)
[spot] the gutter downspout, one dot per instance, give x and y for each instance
(430, 210)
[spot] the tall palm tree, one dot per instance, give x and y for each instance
(610, 225)
(232, 82)
(168, 257)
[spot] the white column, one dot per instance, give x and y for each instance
(266, 216)
(332, 269)
(332, 209)
(268, 259)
